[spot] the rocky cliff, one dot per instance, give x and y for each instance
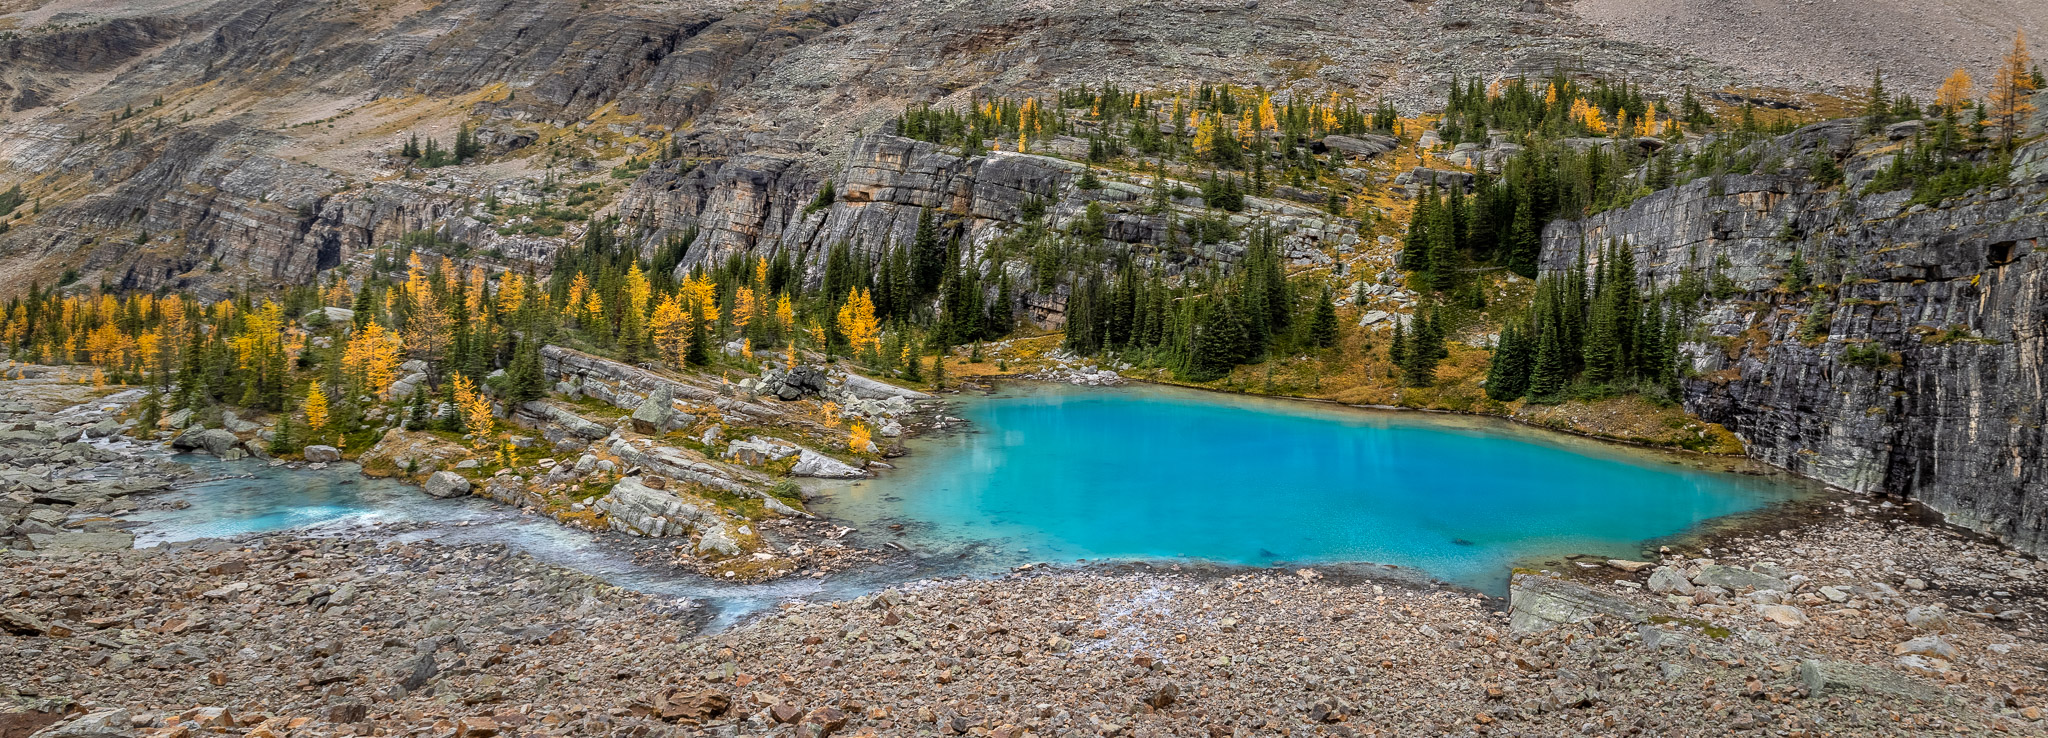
(1916, 368)
(763, 203)
(224, 142)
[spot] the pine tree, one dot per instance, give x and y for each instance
(1507, 376)
(1877, 106)
(525, 380)
(1322, 329)
(1397, 350)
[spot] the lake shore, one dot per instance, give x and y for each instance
(284, 635)
(291, 636)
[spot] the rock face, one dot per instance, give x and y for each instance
(762, 202)
(1924, 377)
(317, 453)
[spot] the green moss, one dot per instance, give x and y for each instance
(1709, 629)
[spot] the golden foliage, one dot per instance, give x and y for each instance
(671, 327)
(316, 408)
(1955, 91)
(475, 409)
(371, 358)
(858, 323)
(859, 439)
(2010, 89)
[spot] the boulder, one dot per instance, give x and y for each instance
(716, 541)
(814, 464)
(1538, 603)
(80, 541)
(114, 723)
(570, 422)
(869, 389)
(756, 450)
(655, 413)
(319, 453)
(210, 440)
(1825, 677)
(1668, 580)
(1734, 579)
(446, 484)
(1927, 645)
(1361, 147)
(637, 509)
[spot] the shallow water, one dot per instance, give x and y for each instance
(1057, 473)
(246, 497)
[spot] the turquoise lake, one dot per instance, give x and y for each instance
(1055, 473)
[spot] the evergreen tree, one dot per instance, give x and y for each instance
(928, 256)
(525, 380)
(1507, 376)
(1322, 329)
(1877, 105)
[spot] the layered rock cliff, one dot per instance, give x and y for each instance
(248, 140)
(1915, 370)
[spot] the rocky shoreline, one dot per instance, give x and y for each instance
(1856, 619)
(1880, 628)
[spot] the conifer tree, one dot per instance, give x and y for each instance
(1507, 376)
(1322, 329)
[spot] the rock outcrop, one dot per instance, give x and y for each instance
(1917, 371)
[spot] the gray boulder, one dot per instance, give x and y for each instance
(210, 440)
(1735, 580)
(1667, 580)
(814, 464)
(637, 509)
(869, 389)
(319, 453)
(1538, 603)
(716, 541)
(655, 413)
(447, 484)
(1825, 677)
(1361, 147)
(114, 723)
(104, 541)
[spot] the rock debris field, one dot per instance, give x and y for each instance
(1881, 628)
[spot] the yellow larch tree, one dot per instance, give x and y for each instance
(579, 288)
(857, 322)
(428, 329)
(316, 409)
(371, 358)
(511, 292)
(638, 291)
(671, 328)
(859, 438)
(743, 307)
(2011, 89)
(785, 315)
(1955, 92)
(475, 409)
